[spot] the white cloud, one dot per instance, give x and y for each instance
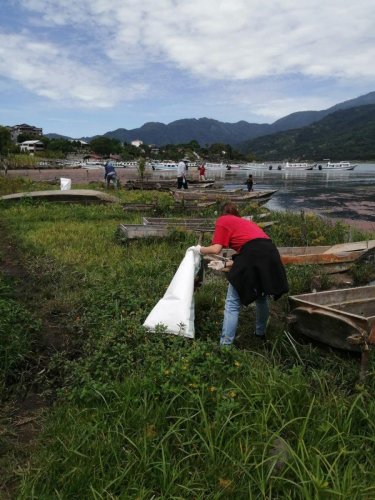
(49, 71)
(233, 40)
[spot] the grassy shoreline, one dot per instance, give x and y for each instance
(133, 414)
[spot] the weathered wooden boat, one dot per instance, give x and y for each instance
(237, 196)
(163, 184)
(68, 196)
(198, 223)
(161, 227)
(140, 231)
(344, 319)
(190, 206)
(334, 258)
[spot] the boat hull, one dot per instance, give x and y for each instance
(344, 319)
(334, 259)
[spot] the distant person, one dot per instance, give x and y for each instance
(110, 174)
(181, 175)
(249, 183)
(202, 172)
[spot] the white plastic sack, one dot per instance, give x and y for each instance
(65, 184)
(175, 310)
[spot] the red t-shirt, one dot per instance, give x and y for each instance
(233, 232)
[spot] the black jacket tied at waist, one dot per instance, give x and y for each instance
(257, 270)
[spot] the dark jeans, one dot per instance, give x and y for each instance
(182, 183)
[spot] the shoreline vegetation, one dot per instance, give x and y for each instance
(94, 406)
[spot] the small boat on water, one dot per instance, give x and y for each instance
(341, 165)
(344, 318)
(170, 165)
(296, 166)
(164, 165)
(334, 258)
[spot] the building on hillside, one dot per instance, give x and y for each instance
(154, 150)
(31, 146)
(16, 130)
(137, 143)
(83, 144)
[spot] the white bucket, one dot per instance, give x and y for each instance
(65, 184)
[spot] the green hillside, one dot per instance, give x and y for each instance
(346, 134)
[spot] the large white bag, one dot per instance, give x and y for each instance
(65, 184)
(175, 310)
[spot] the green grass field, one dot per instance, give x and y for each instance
(135, 414)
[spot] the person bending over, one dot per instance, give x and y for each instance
(255, 272)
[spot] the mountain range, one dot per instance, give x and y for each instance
(207, 131)
(346, 133)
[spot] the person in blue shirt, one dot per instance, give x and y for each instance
(110, 174)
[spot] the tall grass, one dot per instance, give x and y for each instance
(148, 415)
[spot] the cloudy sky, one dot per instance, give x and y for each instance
(85, 67)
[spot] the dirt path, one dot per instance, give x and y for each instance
(22, 413)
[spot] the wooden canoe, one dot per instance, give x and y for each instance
(141, 231)
(207, 224)
(190, 206)
(68, 196)
(237, 196)
(344, 319)
(154, 227)
(163, 184)
(334, 258)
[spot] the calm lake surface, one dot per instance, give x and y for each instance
(343, 194)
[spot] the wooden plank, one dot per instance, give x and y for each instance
(352, 247)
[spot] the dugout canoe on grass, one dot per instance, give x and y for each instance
(69, 196)
(141, 231)
(208, 224)
(333, 258)
(164, 184)
(163, 229)
(237, 196)
(147, 207)
(344, 318)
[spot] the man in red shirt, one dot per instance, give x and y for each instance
(255, 273)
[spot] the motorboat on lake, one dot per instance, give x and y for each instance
(341, 165)
(295, 166)
(164, 165)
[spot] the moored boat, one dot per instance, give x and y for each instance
(341, 165)
(344, 318)
(334, 258)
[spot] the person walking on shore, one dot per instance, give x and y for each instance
(202, 172)
(249, 183)
(181, 175)
(255, 272)
(110, 174)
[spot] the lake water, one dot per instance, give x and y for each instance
(344, 194)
